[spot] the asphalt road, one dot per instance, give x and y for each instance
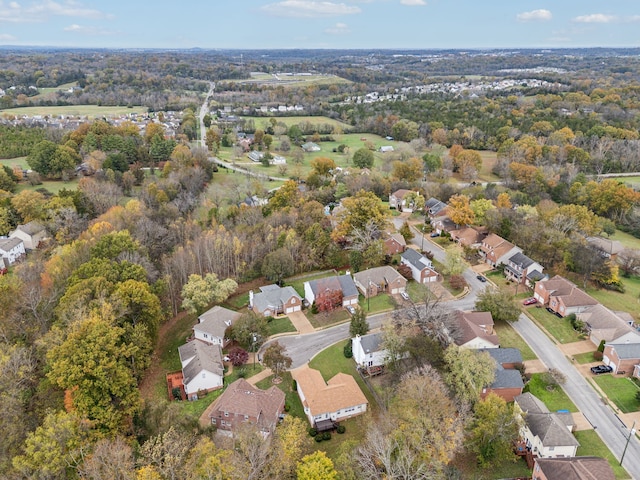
(608, 426)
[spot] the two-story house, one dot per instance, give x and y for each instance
(421, 267)
(213, 324)
(518, 268)
(273, 300)
(562, 296)
(496, 250)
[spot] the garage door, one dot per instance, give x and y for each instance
(395, 291)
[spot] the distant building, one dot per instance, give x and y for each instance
(11, 249)
(310, 147)
(31, 234)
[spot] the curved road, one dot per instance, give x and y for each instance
(602, 418)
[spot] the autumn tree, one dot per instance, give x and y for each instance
(454, 263)
(480, 207)
(500, 303)
(238, 356)
(322, 165)
(278, 265)
(359, 211)
(291, 442)
(167, 453)
(460, 211)
(111, 459)
(249, 326)
(405, 231)
(199, 291)
(410, 170)
(274, 357)
(503, 201)
(468, 163)
(494, 430)
(468, 372)
(206, 461)
(316, 466)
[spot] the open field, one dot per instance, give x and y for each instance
(284, 79)
(631, 181)
(44, 92)
(626, 302)
(10, 162)
(554, 398)
(620, 390)
(626, 239)
(263, 122)
(74, 110)
(592, 445)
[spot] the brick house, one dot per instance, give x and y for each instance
(508, 382)
(273, 300)
(562, 296)
(421, 267)
(241, 402)
(475, 330)
(394, 243)
(342, 288)
(469, 236)
(496, 250)
(576, 468)
(622, 357)
(377, 280)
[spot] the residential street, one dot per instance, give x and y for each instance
(604, 421)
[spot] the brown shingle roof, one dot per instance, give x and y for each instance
(338, 393)
(475, 325)
(576, 468)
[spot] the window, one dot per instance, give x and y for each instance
(226, 414)
(214, 421)
(246, 417)
(204, 375)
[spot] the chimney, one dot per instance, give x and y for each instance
(250, 298)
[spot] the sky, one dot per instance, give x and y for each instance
(345, 24)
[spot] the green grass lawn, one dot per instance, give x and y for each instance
(53, 186)
(238, 301)
(555, 399)
(418, 291)
(509, 338)
(592, 445)
(292, 399)
(74, 110)
(559, 328)
(298, 283)
(263, 122)
(10, 162)
(326, 319)
(586, 357)
(620, 390)
(626, 302)
(280, 325)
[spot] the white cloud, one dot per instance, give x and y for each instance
(5, 37)
(595, 18)
(534, 16)
(413, 3)
(85, 30)
(40, 11)
(308, 9)
(338, 29)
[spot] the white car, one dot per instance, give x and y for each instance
(405, 295)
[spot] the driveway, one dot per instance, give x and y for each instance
(301, 322)
(606, 423)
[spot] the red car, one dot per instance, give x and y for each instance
(529, 301)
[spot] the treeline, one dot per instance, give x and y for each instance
(18, 141)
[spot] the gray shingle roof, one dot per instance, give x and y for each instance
(504, 355)
(7, 244)
(371, 343)
(626, 350)
(507, 378)
(216, 320)
(203, 357)
(349, 288)
(344, 283)
(273, 296)
(416, 259)
(549, 427)
(521, 260)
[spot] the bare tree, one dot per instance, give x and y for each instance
(434, 319)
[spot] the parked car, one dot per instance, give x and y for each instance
(481, 278)
(350, 309)
(599, 369)
(434, 234)
(529, 301)
(405, 295)
(550, 310)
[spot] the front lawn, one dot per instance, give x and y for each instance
(620, 390)
(291, 396)
(592, 445)
(586, 357)
(280, 325)
(559, 328)
(553, 397)
(626, 302)
(326, 319)
(509, 338)
(382, 302)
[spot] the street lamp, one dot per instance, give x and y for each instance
(254, 338)
(631, 432)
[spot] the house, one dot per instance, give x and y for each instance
(562, 296)
(518, 267)
(278, 160)
(4, 266)
(622, 357)
(341, 288)
(576, 468)
(202, 368)
(394, 243)
(603, 324)
(385, 149)
(256, 156)
(328, 402)
(213, 324)
(546, 434)
(496, 250)
(310, 147)
(377, 280)
(31, 234)
(508, 382)
(397, 200)
(469, 236)
(433, 206)
(421, 267)
(273, 300)
(605, 247)
(11, 249)
(443, 223)
(241, 402)
(475, 330)
(367, 350)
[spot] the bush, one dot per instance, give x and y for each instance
(597, 356)
(457, 282)
(314, 308)
(287, 407)
(313, 432)
(238, 356)
(348, 352)
(242, 373)
(341, 428)
(318, 438)
(326, 436)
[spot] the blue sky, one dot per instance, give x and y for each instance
(321, 24)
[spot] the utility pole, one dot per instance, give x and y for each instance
(631, 432)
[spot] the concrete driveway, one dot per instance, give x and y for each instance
(301, 322)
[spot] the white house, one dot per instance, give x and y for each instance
(367, 350)
(421, 267)
(31, 234)
(547, 434)
(328, 402)
(11, 249)
(213, 324)
(202, 368)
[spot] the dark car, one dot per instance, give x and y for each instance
(434, 234)
(599, 369)
(481, 278)
(550, 310)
